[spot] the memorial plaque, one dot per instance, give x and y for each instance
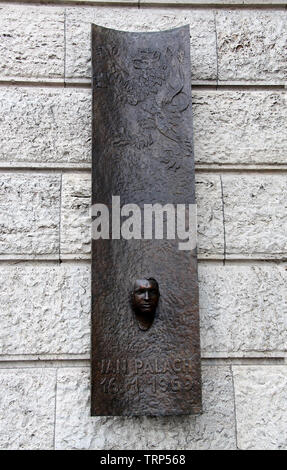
(145, 320)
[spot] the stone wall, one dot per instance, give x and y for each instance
(239, 70)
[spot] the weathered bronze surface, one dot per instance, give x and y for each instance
(145, 321)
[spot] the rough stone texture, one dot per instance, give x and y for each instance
(32, 42)
(45, 125)
(29, 213)
(260, 397)
(75, 214)
(240, 126)
(54, 125)
(76, 221)
(209, 214)
(75, 429)
(255, 214)
(27, 409)
(202, 31)
(45, 308)
(243, 307)
(51, 126)
(252, 45)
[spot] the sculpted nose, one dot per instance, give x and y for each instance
(146, 296)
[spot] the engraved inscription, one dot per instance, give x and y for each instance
(135, 384)
(158, 375)
(140, 367)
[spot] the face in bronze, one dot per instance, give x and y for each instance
(145, 296)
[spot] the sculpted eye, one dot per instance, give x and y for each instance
(139, 291)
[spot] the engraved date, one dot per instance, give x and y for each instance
(155, 384)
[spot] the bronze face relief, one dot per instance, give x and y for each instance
(144, 299)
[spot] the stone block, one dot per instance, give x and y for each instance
(252, 45)
(210, 239)
(75, 214)
(255, 214)
(240, 127)
(27, 409)
(30, 213)
(243, 308)
(45, 308)
(32, 42)
(44, 125)
(260, 397)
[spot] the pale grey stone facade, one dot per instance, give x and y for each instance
(239, 72)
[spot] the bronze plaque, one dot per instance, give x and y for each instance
(145, 320)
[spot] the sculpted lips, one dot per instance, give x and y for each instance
(146, 306)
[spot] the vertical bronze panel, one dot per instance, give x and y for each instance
(143, 152)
